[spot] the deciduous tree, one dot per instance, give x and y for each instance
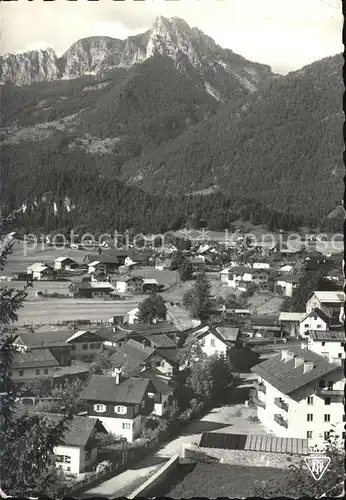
(152, 308)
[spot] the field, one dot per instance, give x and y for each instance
(222, 480)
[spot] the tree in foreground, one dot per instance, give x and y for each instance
(151, 309)
(27, 460)
(198, 300)
(300, 482)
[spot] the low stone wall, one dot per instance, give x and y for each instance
(156, 478)
(245, 458)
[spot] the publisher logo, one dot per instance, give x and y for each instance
(317, 465)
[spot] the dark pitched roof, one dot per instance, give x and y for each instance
(160, 341)
(78, 430)
(170, 355)
(36, 358)
(329, 336)
(265, 320)
(103, 388)
(143, 329)
(160, 385)
(131, 354)
(287, 379)
(319, 313)
(51, 337)
(71, 370)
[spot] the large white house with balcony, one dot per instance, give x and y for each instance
(300, 394)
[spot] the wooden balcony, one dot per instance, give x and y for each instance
(280, 420)
(281, 404)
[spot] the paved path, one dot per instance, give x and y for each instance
(229, 419)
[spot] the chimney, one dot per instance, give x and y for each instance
(116, 374)
(308, 366)
(286, 355)
(298, 362)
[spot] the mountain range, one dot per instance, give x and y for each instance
(169, 116)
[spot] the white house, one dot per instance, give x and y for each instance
(131, 316)
(40, 271)
(237, 275)
(314, 320)
(122, 406)
(65, 263)
(299, 394)
(213, 340)
(329, 344)
(79, 449)
(286, 284)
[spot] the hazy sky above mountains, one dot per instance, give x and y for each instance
(286, 34)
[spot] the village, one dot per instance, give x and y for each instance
(82, 332)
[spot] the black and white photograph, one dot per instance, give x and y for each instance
(172, 289)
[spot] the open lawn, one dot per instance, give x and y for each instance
(223, 480)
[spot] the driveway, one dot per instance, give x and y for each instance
(229, 419)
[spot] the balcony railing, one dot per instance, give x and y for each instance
(281, 404)
(330, 392)
(281, 421)
(260, 387)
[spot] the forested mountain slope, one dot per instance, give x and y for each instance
(283, 147)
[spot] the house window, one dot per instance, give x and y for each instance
(310, 400)
(342, 344)
(321, 384)
(327, 417)
(85, 347)
(344, 418)
(306, 325)
(202, 342)
(87, 455)
(323, 344)
(158, 363)
(340, 355)
(100, 408)
(73, 347)
(344, 435)
(164, 404)
(120, 409)
(37, 372)
(308, 434)
(92, 346)
(162, 363)
(326, 435)
(212, 342)
(46, 371)
(21, 373)
(136, 408)
(319, 326)
(143, 404)
(330, 386)
(126, 425)
(63, 459)
(327, 401)
(309, 417)
(68, 469)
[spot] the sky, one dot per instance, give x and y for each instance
(286, 34)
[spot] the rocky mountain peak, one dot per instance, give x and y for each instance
(189, 48)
